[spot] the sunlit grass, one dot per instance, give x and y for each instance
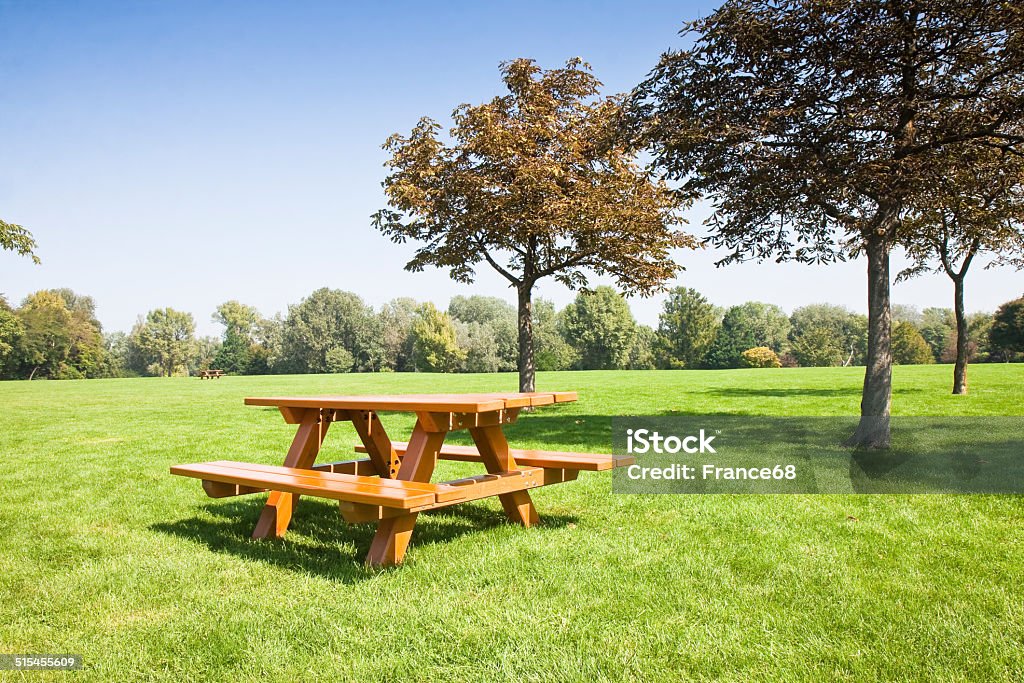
(104, 554)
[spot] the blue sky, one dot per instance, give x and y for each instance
(183, 154)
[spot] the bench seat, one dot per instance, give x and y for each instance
(353, 488)
(594, 462)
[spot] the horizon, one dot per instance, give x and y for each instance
(200, 154)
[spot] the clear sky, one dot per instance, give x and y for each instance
(183, 154)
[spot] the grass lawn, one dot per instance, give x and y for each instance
(104, 554)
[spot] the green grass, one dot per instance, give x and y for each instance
(104, 554)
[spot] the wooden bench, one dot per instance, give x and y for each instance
(592, 462)
(210, 374)
(392, 493)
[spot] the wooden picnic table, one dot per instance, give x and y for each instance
(210, 374)
(392, 485)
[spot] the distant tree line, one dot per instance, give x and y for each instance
(55, 334)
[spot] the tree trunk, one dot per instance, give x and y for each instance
(527, 371)
(876, 400)
(962, 342)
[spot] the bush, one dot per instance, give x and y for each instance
(909, 347)
(760, 357)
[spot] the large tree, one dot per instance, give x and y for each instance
(330, 319)
(686, 328)
(165, 339)
(17, 239)
(812, 125)
(536, 183)
(973, 205)
(1007, 331)
(601, 327)
(744, 327)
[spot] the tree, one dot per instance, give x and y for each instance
(643, 353)
(937, 324)
(825, 334)
(479, 343)
(744, 327)
(498, 317)
(235, 352)
(395, 322)
(1007, 331)
(46, 343)
(329, 319)
(975, 205)
(435, 347)
(814, 125)
(686, 328)
(551, 351)
(600, 326)
(817, 347)
(536, 183)
(165, 341)
(909, 347)
(11, 332)
(17, 239)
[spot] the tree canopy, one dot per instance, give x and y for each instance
(812, 126)
(535, 183)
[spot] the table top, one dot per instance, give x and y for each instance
(455, 403)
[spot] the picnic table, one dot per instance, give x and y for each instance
(210, 374)
(392, 485)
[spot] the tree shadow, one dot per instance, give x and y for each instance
(796, 392)
(319, 541)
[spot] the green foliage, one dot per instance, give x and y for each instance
(46, 343)
(909, 347)
(395, 322)
(11, 332)
(479, 342)
(747, 326)
(642, 355)
(601, 328)
(937, 326)
(234, 354)
(435, 346)
(760, 357)
(817, 347)
(498, 319)
(165, 341)
(1007, 331)
(339, 359)
(686, 329)
(825, 334)
(550, 350)
(17, 239)
(326, 320)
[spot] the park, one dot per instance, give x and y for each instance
(697, 361)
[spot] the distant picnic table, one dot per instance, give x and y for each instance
(210, 374)
(392, 485)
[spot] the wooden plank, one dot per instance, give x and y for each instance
(455, 403)
(494, 451)
(392, 536)
(277, 513)
(322, 485)
(462, 403)
(475, 488)
(595, 462)
(376, 442)
(442, 492)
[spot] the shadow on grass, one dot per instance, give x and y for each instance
(320, 542)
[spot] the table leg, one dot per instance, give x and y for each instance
(393, 534)
(493, 448)
(277, 513)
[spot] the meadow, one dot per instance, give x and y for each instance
(104, 554)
